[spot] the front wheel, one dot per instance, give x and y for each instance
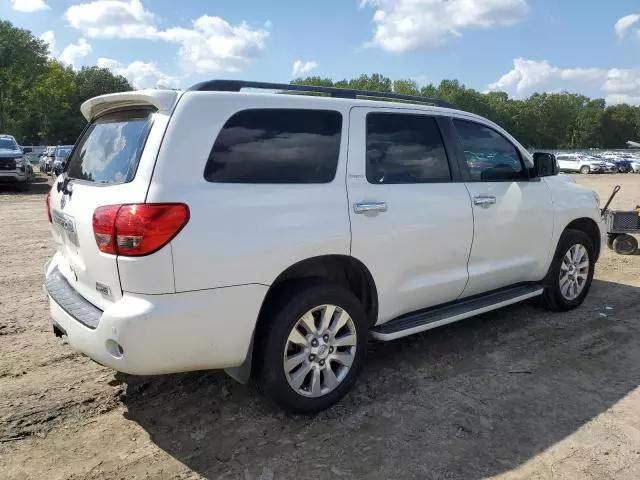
(571, 272)
(585, 169)
(312, 349)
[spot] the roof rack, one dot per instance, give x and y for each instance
(237, 85)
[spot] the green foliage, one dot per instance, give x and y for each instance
(545, 120)
(39, 98)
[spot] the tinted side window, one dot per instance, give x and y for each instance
(276, 146)
(405, 148)
(489, 155)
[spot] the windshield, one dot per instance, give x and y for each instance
(8, 144)
(63, 151)
(110, 149)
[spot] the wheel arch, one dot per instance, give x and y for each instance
(344, 270)
(590, 227)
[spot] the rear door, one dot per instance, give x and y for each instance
(411, 217)
(109, 165)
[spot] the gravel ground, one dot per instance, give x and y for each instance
(518, 393)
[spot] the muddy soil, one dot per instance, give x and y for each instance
(518, 394)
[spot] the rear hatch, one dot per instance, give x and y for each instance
(109, 165)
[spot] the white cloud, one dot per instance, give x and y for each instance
(70, 53)
(625, 23)
(300, 67)
(74, 51)
(405, 25)
(528, 76)
(29, 6)
(140, 74)
(49, 38)
(212, 44)
(112, 19)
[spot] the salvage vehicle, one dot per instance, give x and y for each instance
(271, 234)
(15, 169)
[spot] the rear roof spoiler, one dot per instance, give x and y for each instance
(163, 100)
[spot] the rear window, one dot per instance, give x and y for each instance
(109, 150)
(276, 146)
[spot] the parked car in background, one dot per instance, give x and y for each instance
(576, 162)
(635, 166)
(391, 218)
(14, 168)
(60, 155)
(610, 167)
(46, 159)
(622, 165)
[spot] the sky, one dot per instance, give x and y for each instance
(517, 46)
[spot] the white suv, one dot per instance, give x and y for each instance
(575, 162)
(271, 234)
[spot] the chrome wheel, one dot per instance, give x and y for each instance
(574, 271)
(320, 350)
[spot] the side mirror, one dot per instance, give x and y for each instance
(545, 164)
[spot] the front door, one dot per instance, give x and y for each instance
(513, 216)
(411, 216)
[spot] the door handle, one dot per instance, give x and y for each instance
(484, 200)
(364, 207)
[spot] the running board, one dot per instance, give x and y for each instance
(422, 320)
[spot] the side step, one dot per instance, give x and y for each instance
(427, 319)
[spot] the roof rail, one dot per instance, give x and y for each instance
(237, 85)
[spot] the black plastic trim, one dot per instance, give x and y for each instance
(71, 301)
(237, 85)
(451, 309)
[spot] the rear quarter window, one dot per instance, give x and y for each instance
(110, 148)
(276, 146)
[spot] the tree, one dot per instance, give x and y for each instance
(23, 59)
(544, 120)
(40, 99)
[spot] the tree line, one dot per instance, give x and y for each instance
(40, 101)
(40, 98)
(544, 120)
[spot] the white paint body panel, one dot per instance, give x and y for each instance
(242, 233)
(194, 303)
(417, 250)
(511, 238)
(81, 262)
(179, 332)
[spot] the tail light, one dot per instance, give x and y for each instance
(49, 207)
(138, 229)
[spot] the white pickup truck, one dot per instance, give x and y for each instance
(270, 235)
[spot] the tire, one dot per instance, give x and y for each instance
(585, 169)
(24, 186)
(625, 244)
(273, 346)
(610, 238)
(555, 297)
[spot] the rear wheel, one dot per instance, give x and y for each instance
(585, 169)
(312, 350)
(625, 244)
(571, 272)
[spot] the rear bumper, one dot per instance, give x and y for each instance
(156, 334)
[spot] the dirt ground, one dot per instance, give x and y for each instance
(516, 394)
